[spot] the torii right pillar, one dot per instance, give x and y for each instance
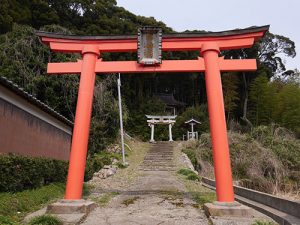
(224, 186)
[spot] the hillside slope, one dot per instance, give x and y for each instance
(266, 159)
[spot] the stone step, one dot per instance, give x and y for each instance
(160, 155)
(157, 164)
(158, 169)
(159, 159)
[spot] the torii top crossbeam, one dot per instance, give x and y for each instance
(234, 39)
(209, 45)
(160, 119)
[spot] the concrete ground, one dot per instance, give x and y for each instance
(151, 192)
(156, 198)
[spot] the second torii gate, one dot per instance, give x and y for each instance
(209, 44)
(166, 120)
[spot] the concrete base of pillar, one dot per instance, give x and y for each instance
(71, 207)
(152, 141)
(224, 209)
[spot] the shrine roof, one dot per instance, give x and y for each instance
(169, 99)
(193, 121)
(204, 34)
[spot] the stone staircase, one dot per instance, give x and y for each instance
(159, 158)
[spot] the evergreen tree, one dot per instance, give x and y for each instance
(230, 85)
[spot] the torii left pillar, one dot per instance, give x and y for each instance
(82, 123)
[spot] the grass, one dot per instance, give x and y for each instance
(87, 190)
(185, 172)
(130, 201)
(203, 197)
(189, 174)
(45, 220)
(259, 222)
(14, 206)
(193, 177)
(104, 199)
(199, 193)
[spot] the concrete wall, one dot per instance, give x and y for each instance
(284, 205)
(27, 130)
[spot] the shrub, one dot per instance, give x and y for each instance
(45, 220)
(191, 153)
(266, 159)
(95, 163)
(185, 172)
(193, 176)
(19, 173)
(190, 175)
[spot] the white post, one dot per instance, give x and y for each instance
(170, 132)
(152, 133)
(192, 124)
(121, 119)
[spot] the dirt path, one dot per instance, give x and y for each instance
(155, 196)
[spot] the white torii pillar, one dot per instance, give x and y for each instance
(170, 132)
(152, 133)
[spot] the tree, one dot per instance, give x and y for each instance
(199, 113)
(230, 85)
(287, 111)
(262, 98)
(272, 48)
(23, 60)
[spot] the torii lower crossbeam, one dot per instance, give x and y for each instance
(166, 66)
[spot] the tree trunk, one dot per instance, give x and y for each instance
(245, 106)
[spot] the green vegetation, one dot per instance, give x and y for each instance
(130, 201)
(104, 199)
(252, 99)
(45, 220)
(185, 172)
(266, 159)
(275, 102)
(204, 197)
(199, 113)
(20, 173)
(193, 177)
(97, 161)
(14, 206)
(192, 156)
(259, 222)
(6, 221)
(189, 174)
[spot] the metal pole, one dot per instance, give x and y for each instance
(121, 119)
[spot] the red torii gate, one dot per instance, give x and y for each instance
(209, 44)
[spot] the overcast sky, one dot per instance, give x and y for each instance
(218, 15)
